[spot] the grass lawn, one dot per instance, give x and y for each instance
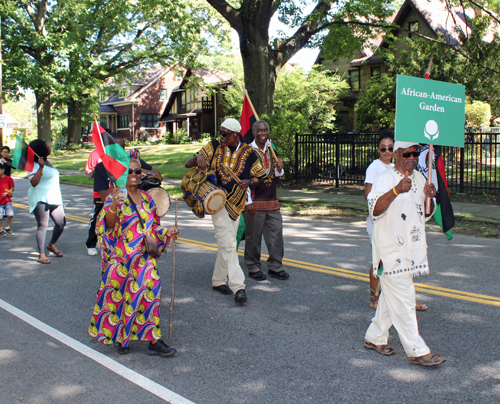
(168, 159)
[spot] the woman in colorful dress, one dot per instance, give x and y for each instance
(128, 301)
(44, 199)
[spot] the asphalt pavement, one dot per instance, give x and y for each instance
(296, 341)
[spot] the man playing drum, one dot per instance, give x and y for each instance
(268, 220)
(236, 167)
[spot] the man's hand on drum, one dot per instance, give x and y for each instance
(173, 232)
(201, 162)
(244, 184)
(250, 209)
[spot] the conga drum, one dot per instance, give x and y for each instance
(162, 200)
(212, 197)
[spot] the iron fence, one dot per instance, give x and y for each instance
(342, 158)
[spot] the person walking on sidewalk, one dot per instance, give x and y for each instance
(266, 219)
(220, 157)
(397, 205)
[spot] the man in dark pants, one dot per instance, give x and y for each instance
(267, 221)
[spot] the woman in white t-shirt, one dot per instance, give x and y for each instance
(385, 149)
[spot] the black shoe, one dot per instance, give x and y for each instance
(258, 276)
(240, 296)
(121, 349)
(224, 289)
(160, 348)
(281, 275)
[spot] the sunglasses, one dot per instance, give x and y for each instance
(134, 171)
(384, 149)
(411, 154)
(224, 134)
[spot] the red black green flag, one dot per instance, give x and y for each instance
(24, 156)
(114, 157)
(248, 118)
(444, 215)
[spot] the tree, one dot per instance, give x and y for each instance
(477, 114)
(65, 50)
(263, 57)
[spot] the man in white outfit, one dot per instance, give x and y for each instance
(396, 203)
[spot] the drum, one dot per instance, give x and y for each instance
(212, 197)
(162, 200)
(201, 194)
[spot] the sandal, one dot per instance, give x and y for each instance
(383, 350)
(420, 307)
(374, 298)
(55, 250)
(429, 361)
(43, 259)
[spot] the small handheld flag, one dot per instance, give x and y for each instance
(24, 156)
(114, 157)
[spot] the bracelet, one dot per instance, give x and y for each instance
(394, 190)
(112, 211)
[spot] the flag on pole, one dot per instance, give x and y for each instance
(444, 211)
(114, 157)
(24, 156)
(248, 118)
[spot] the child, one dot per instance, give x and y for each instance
(6, 190)
(4, 158)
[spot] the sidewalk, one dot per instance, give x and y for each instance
(474, 212)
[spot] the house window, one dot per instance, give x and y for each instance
(103, 122)
(354, 79)
(123, 121)
(122, 92)
(183, 100)
(163, 94)
(376, 72)
(103, 96)
(150, 120)
(412, 27)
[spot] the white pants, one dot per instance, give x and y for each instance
(227, 267)
(396, 307)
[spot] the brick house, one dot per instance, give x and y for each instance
(133, 108)
(195, 104)
(427, 17)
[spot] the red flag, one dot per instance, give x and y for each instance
(114, 157)
(248, 118)
(24, 156)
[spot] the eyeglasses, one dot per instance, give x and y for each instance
(384, 149)
(224, 134)
(412, 154)
(137, 171)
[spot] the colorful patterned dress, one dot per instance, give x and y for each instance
(128, 301)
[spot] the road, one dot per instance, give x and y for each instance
(298, 341)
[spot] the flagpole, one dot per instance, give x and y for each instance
(431, 152)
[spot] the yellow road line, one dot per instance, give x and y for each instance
(345, 273)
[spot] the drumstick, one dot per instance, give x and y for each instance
(171, 313)
(233, 175)
(273, 153)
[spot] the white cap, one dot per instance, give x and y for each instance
(404, 145)
(231, 124)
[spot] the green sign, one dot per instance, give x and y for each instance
(429, 111)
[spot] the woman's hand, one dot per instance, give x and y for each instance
(41, 162)
(173, 233)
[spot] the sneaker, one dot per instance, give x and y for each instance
(3, 233)
(9, 232)
(91, 251)
(160, 348)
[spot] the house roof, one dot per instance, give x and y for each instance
(209, 77)
(107, 109)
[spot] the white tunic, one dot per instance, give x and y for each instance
(399, 233)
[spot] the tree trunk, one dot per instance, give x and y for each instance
(74, 122)
(43, 104)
